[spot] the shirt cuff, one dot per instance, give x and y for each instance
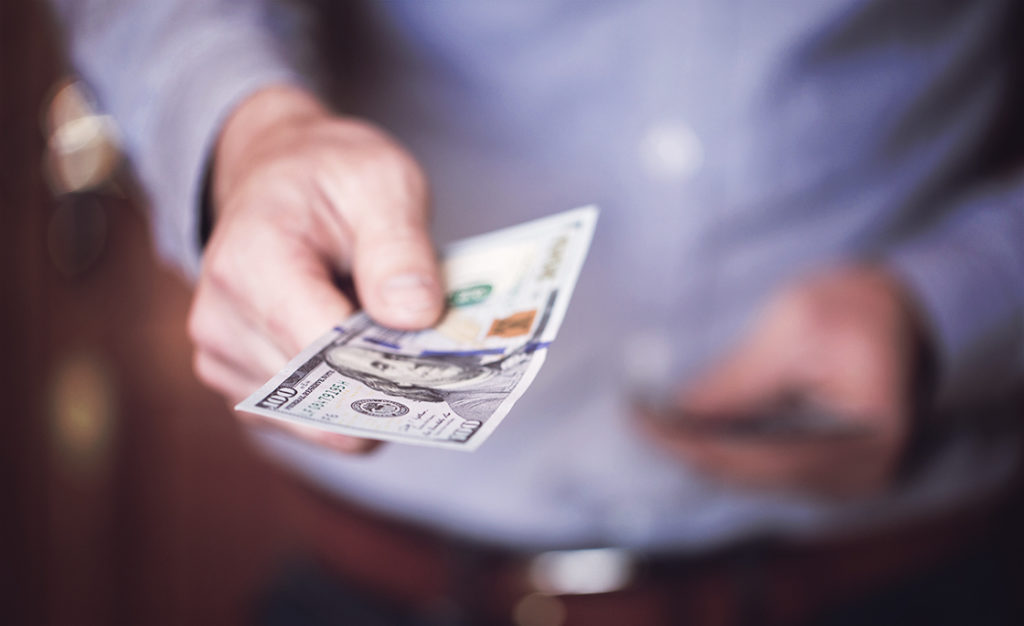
(966, 279)
(214, 71)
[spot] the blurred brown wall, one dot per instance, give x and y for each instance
(130, 495)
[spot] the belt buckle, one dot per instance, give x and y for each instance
(571, 573)
(582, 572)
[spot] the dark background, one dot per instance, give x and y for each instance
(154, 510)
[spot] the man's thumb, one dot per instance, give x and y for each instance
(397, 277)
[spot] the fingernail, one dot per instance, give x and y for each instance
(409, 292)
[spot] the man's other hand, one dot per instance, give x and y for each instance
(302, 197)
(845, 343)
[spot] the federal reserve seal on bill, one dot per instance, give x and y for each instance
(451, 385)
(379, 407)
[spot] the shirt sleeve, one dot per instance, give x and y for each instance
(967, 274)
(169, 72)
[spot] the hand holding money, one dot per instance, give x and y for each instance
(301, 196)
(448, 386)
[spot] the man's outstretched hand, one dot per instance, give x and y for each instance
(846, 343)
(301, 197)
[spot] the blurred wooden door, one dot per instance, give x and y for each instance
(133, 497)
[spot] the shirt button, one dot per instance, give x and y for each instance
(670, 151)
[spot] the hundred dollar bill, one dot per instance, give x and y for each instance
(451, 385)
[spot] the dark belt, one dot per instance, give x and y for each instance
(758, 582)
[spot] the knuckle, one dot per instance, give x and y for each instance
(398, 170)
(291, 166)
(222, 275)
(204, 368)
(279, 327)
(217, 272)
(209, 372)
(408, 170)
(195, 327)
(198, 324)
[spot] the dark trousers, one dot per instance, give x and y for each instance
(975, 586)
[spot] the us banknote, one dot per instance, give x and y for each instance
(449, 386)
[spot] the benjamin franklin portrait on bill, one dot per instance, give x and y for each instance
(472, 383)
(472, 388)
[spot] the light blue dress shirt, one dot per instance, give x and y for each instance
(732, 146)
